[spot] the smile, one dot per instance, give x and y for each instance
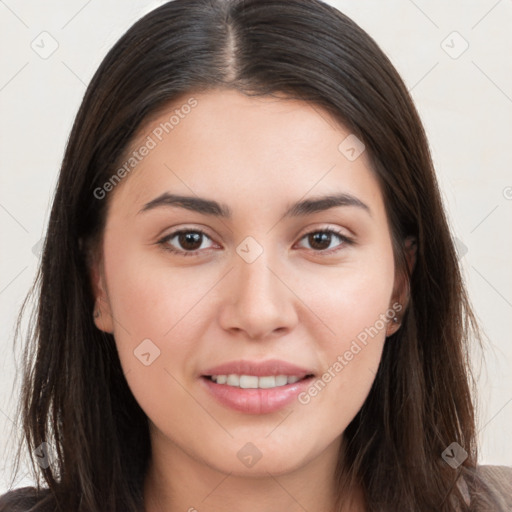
(255, 382)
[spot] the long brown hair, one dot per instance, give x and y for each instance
(75, 396)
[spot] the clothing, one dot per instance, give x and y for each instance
(497, 480)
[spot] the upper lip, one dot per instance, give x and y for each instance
(258, 368)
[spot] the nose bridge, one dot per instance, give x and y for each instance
(259, 301)
(256, 279)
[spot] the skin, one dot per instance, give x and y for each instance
(256, 155)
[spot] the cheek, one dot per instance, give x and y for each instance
(350, 362)
(147, 296)
(354, 297)
(156, 318)
(155, 323)
(356, 311)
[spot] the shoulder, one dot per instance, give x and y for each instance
(27, 499)
(497, 474)
(489, 485)
(498, 478)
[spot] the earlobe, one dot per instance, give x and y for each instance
(102, 317)
(102, 314)
(401, 292)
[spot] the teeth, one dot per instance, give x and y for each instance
(248, 381)
(233, 380)
(254, 382)
(281, 380)
(267, 382)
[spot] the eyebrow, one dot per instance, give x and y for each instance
(213, 208)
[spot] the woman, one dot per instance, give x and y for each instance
(249, 295)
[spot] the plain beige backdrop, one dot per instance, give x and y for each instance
(455, 58)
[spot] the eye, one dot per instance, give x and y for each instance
(321, 241)
(189, 241)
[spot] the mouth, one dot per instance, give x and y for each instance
(254, 387)
(255, 381)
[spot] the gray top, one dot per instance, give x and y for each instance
(497, 493)
(498, 480)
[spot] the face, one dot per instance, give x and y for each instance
(249, 330)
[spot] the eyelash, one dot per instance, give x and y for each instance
(325, 252)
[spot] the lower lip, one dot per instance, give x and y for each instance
(256, 401)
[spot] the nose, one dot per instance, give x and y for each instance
(258, 302)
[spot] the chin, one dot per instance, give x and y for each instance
(259, 458)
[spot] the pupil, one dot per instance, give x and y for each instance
(186, 239)
(320, 239)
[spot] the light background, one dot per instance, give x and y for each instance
(465, 102)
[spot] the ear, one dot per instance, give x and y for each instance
(401, 289)
(102, 313)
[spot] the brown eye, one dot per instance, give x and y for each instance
(320, 240)
(186, 242)
(190, 240)
(325, 240)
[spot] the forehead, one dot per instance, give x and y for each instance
(261, 147)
